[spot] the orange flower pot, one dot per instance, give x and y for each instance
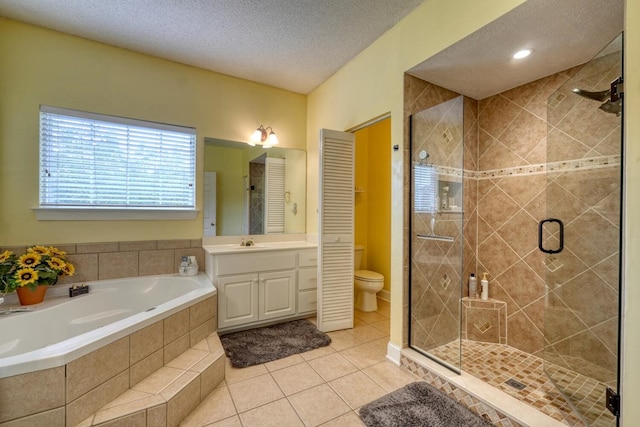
(29, 297)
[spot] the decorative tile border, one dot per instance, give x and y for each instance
(489, 413)
(561, 166)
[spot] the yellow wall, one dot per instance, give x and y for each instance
(373, 205)
(39, 66)
(372, 84)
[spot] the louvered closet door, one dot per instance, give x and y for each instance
(335, 219)
(274, 193)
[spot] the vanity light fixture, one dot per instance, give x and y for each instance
(263, 135)
(522, 53)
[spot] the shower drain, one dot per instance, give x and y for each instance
(515, 384)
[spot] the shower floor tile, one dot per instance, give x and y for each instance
(497, 363)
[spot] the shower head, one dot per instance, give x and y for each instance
(595, 96)
(604, 96)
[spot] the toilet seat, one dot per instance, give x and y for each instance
(368, 276)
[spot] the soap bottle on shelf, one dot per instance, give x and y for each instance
(445, 198)
(473, 286)
(485, 287)
(184, 265)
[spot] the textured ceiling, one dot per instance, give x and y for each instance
(290, 44)
(298, 44)
(562, 34)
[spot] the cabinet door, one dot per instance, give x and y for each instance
(237, 300)
(277, 296)
(307, 278)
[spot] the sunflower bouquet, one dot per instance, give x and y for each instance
(39, 265)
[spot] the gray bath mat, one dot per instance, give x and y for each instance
(421, 405)
(256, 346)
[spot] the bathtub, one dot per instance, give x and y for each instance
(62, 329)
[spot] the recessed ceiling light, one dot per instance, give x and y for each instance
(522, 54)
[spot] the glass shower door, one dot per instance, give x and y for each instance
(436, 232)
(581, 236)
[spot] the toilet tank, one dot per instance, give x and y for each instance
(358, 250)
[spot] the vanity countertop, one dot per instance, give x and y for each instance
(235, 248)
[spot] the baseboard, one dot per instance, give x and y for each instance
(384, 295)
(393, 353)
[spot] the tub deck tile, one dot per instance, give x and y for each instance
(168, 395)
(187, 359)
(159, 380)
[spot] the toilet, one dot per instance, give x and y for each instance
(366, 283)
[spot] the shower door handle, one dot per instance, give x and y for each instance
(560, 236)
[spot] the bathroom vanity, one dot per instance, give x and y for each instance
(263, 283)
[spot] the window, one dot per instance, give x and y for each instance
(425, 181)
(91, 162)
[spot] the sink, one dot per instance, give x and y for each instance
(244, 248)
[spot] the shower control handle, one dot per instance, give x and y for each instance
(560, 236)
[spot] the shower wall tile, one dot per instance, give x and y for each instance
(527, 337)
(497, 115)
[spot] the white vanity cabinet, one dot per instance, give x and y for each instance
(261, 286)
(307, 281)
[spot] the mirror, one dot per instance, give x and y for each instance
(253, 190)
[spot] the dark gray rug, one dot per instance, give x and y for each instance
(256, 346)
(418, 404)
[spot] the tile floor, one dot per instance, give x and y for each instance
(496, 363)
(324, 387)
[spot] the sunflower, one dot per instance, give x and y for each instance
(68, 269)
(4, 256)
(42, 250)
(55, 252)
(56, 263)
(26, 276)
(30, 259)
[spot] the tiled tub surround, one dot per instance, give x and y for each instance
(111, 310)
(115, 260)
(67, 395)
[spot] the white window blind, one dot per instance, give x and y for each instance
(93, 160)
(425, 184)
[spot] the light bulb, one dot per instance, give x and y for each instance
(256, 136)
(273, 139)
(522, 54)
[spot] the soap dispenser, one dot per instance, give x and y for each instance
(485, 287)
(473, 286)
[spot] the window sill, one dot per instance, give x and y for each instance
(113, 214)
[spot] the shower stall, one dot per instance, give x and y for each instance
(525, 186)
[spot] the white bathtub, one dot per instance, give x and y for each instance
(62, 329)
